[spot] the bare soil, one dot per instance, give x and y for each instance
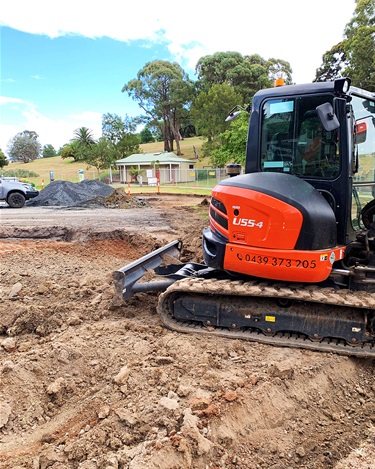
(88, 384)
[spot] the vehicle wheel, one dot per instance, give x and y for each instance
(16, 200)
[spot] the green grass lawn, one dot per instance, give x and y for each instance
(135, 189)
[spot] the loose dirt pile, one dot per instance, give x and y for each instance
(88, 384)
(88, 193)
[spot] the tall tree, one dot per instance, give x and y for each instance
(114, 128)
(48, 151)
(247, 74)
(360, 45)
(101, 155)
(83, 140)
(24, 146)
(211, 108)
(3, 160)
(354, 56)
(279, 69)
(121, 133)
(162, 89)
(146, 135)
(232, 147)
(334, 62)
(214, 69)
(84, 136)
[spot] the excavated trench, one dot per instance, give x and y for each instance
(87, 383)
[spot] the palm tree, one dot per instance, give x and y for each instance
(84, 136)
(84, 141)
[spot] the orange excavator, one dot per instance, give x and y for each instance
(289, 254)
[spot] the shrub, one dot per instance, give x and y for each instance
(20, 173)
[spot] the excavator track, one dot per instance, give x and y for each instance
(347, 307)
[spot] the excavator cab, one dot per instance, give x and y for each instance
(308, 177)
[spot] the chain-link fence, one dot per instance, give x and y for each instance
(201, 178)
(205, 177)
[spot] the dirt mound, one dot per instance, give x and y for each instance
(118, 199)
(65, 193)
(89, 384)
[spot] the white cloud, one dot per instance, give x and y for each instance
(289, 30)
(10, 100)
(51, 131)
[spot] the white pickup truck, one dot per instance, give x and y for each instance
(15, 193)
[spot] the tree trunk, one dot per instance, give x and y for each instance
(176, 134)
(178, 146)
(166, 134)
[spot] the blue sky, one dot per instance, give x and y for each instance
(62, 65)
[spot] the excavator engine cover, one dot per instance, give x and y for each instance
(271, 225)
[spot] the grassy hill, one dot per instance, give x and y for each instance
(68, 169)
(187, 148)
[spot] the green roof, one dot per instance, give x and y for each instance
(164, 157)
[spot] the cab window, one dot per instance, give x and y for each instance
(293, 140)
(364, 179)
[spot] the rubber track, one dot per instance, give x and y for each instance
(302, 292)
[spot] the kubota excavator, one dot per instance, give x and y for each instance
(289, 255)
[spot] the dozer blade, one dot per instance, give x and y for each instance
(126, 279)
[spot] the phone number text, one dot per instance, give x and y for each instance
(278, 261)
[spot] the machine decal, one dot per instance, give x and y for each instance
(332, 258)
(247, 222)
(278, 261)
(270, 318)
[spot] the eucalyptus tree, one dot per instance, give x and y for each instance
(146, 136)
(210, 109)
(121, 133)
(163, 91)
(354, 56)
(360, 45)
(278, 68)
(24, 146)
(3, 160)
(214, 69)
(48, 151)
(334, 63)
(247, 74)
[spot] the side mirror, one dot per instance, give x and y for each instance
(361, 132)
(232, 116)
(327, 117)
(235, 112)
